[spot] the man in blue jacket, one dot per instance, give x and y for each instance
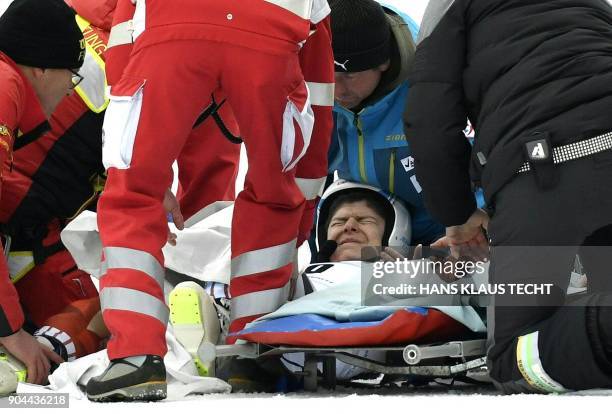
(373, 49)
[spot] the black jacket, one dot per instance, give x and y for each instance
(514, 67)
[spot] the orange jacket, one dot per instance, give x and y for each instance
(47, 162)
(21, 115)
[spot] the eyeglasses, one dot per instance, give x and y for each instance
(76, 78)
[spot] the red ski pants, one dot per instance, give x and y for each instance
(153, 109)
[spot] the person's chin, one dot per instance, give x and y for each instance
(349, 104)
(346, 253)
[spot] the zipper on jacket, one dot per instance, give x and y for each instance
(392, 171)
(360, 149)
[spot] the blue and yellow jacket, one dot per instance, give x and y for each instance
(370, 146)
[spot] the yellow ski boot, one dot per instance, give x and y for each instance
(195, 321)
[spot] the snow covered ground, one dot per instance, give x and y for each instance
(388, 401)
(467, 400)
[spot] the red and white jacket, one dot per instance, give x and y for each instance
(22, 119)
(21, 114)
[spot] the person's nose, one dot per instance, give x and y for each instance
(351, 225)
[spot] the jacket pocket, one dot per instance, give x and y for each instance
(121, 123)
(297, 111)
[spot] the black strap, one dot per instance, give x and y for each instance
(213, 110)
(308, 289)
(226, 132)
(41, 252)
(5, 325)
(31, 239)
(31, 136)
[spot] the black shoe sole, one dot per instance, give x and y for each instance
(149, 391)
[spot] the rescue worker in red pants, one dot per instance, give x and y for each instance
(206, 178)
(55, 176)
(183, 51)
(41, 47)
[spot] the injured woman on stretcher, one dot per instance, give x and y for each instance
(341, 299)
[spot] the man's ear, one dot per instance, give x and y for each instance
(384, 66)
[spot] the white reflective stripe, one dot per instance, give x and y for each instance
(139, 18)
(302, 8)
(305, 120)
(125, 299)
(209, 210)
(258, 303)
(63, 337)
(321, 94)
(52, 331)
(71, 350)
(311, 187)
(126, 258)
(121, 34)
(528, 360)
(42, 330)
(263, 260)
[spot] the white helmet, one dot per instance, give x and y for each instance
(398, 229)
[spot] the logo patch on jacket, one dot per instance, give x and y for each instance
(5, 138)
(83, 51)
(4, 131)
(538, 150)
(342, 65)
(408, 163)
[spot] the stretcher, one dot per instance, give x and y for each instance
(454, 359)
(421, 358)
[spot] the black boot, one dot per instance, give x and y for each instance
(125, 381)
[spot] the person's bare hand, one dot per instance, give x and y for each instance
(171, 206)
(36, 357)
(468, 239)
(418, 252)
(390, 255)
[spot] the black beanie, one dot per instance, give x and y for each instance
(42, 34)
(361, 35)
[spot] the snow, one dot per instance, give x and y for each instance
(3, 5)
(357, 402)
(413, 8)
(353, 401)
